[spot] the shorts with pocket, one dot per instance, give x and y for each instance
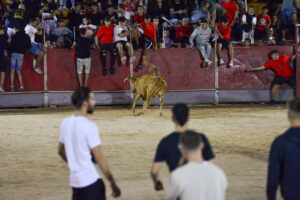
(83, 62)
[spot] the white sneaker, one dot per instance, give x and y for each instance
(132, 59)
(1, 90)
(123, 60)
(222, 62)
(231, 63)
(38, 70)
(208, 62)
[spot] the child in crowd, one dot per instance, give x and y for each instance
(249, 21)
(263, 23)
(106, 35)
(120, 38)
(183, 31)
(90, 28)
(83, 53)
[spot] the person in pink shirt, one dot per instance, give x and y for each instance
(90, 28)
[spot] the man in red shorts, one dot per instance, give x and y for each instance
(106, 35)
(224, 32)
(284, 73)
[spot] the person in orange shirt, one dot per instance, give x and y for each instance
(284, 73)
(224, 32)
(106, 35)
(148, 38)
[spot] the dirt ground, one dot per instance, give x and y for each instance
(240, 136)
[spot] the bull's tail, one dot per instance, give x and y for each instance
(153, 70)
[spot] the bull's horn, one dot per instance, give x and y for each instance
(126, 79)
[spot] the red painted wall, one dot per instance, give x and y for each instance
(180, 67)
(31, 80)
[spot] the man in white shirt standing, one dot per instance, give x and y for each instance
(37, 49)
(79, 145)
(121, 33)
(197, 179)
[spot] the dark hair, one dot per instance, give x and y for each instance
(3, 27)
(140, 6)
(224, 20)
(31, 20)
(203, 20)
(190, 140)
(94, 4)
(251, 7)
(122, 19)
(274, 52)
(156, 18)
(79, 96)
(147, 17)
(180, 113)
(294, 108)
(247, 39)
(107, 19)
(121, 6)
(265, 8)
(82, 31)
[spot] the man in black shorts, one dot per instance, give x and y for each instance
(121, 33)
(106, 35)
(3, 52)
(168, 149)
(284, 73)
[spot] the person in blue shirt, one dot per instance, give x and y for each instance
(284, 160)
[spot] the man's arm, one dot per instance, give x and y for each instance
(102, 163)
(73, 45)
(154, 175)
(234, 18)
(173, 190)
(192, 37)
(97, 42)
(62, 152)
(256, 69)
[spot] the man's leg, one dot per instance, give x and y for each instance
(87, 70)
(103, 60)
(219, 53)
(275, 88)
(120, 51)
(230, 47)
(113, 57)
(2, 79)
(130, 52)
(20, 59)
(19, 73)
(12, 71)
(203, 53)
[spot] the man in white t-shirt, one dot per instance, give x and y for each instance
(120, 38)
(80, 146)
(197, 179)
(37, 48)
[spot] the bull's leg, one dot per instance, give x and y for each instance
(134, 103)
(161, 104)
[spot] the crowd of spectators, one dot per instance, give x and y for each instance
(57, 24)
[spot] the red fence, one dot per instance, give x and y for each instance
(180, 67)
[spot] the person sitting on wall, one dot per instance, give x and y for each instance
(106, 35)
(224, 32)
(203, 34)
(183, 31)
(284, 73)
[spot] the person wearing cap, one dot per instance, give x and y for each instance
(284, 73)
(203, 34)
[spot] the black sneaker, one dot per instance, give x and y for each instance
(104, 72)
(112, 70)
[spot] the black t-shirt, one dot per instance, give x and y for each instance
(3, 44)
(38, 38)
(75, 19)
(180, 6)
(19, 18)
(83, 47)
(168, 150)
(95, 18)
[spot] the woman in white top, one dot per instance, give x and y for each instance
(90, 28)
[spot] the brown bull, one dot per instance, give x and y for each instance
(147, 87)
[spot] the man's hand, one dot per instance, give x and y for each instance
(116, 192)
(158, 185)
(248, 70)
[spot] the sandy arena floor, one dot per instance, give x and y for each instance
(240, 136)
